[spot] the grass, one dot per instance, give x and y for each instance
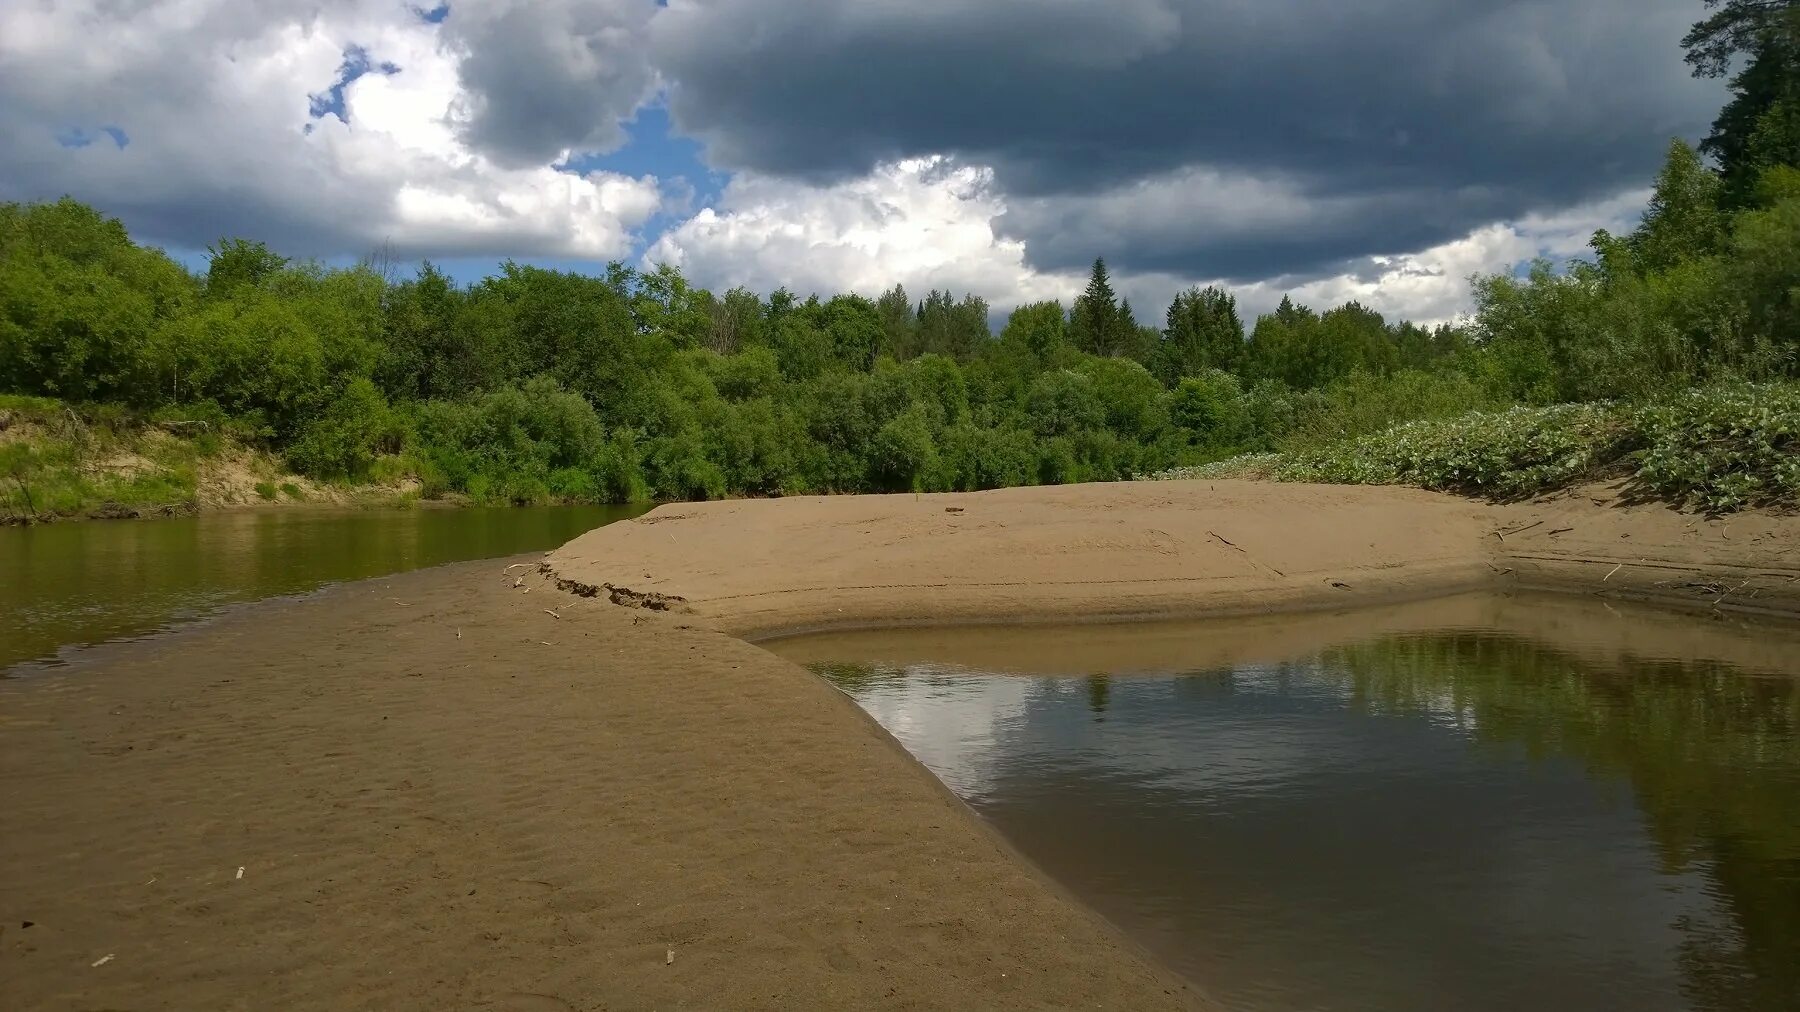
(57, 462)
(61, 461)
(1717, 449)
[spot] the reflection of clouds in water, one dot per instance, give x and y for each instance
(972, 728)
(949, 721)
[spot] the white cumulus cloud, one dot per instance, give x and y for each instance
(221, 106)
(925, 223)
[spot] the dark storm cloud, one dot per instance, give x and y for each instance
(1363, 128)
(549, 76)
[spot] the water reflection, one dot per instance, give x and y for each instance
(79, 583)
(1472, 818)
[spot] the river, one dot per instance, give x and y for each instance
(69, 585)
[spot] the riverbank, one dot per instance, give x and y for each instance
(60, 464)
(475, 787)
(1164, 548)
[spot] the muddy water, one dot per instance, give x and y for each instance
(1472, 804)
(63, 586)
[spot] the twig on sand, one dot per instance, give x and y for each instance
(551, 613)
(1245, 554)
(516, 565)
(103, 960)
(1559, 530)
(1615, 569)
(399, 602)
(1517, 530)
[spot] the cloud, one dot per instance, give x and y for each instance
(931, 223)
(325, 131)
(1431, 286)
(542, 80)
(925, 223)
(1361, 129)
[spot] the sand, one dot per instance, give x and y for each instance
(445, 790)
(1086, 552)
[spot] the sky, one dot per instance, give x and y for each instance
(1381, 151)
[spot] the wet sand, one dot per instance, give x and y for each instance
(447, 790)
(443, 797)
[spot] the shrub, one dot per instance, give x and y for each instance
(1718, 448)
(1723, 448)
(1507, 455)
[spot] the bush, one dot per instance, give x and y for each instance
(1507, 455)
(1718, 448)
(343, 440)
(1724, 448)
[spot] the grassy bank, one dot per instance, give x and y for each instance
(1715, 449)
(61, 461)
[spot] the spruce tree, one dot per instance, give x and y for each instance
(1202, 331)
(1096, 324)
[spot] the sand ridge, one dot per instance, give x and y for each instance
(1074, 552)
(1147, 549)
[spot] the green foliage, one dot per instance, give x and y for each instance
(1717, 448)
(1684, 220)
(1203, 332)
(1063, 403)
(343, 439)
(1723, 449)
(1098, 325)
(1364, 403)
(1507, 455)
(55, 462)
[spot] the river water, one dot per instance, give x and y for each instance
(1474, 804)
(63, 586)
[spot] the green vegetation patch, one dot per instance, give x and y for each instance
(1717, 448)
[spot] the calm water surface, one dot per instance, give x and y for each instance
(72, 584)
(1521, 806)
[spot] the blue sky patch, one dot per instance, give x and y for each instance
(81, 137)
(330, 102)
(654, 148)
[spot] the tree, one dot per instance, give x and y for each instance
(1760, 126)
(1039, 328)
(1735, 27)
(1202, 331)
(735, 322)
(1097, 324)
(948, 327)
(1683, 220)
(236, 264)
(898, 325)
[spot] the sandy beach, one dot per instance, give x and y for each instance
(568, 782)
